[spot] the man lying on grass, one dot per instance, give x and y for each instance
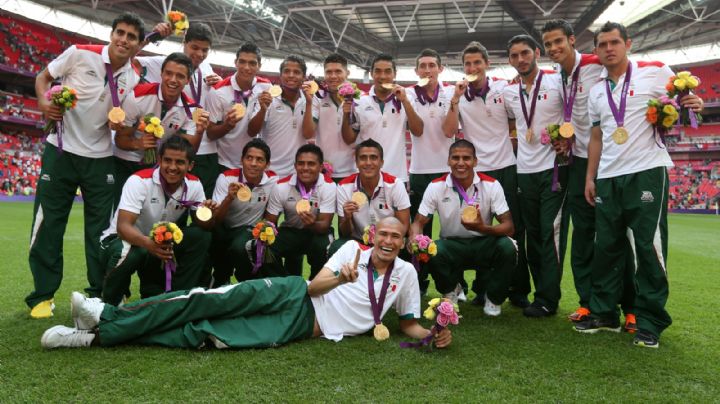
(264, 312)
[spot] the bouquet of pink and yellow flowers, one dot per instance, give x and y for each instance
(444, 312)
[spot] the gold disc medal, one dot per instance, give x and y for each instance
(423, 82)
(567, 130)
(381, 332)
(302, 205)
(275, 91)
(620, 135)
(116, 115)
(203, 214)
(196, 114)
(359, 197)
(388, 86)
(244, 194)
(313, 87)
(469, 214)
(239, 110)
(471, 77)
(529, 135)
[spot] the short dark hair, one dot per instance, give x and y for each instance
(177, 142)
(526, 39)
(560, 24)
(310, 148)
(179, 58)
(198, 32)
(294, 58)
(476, 47)
(609, 26)
(249, 47)
(336, 58)
(428, 52)
(383, 57)
(368, 143)
(257, 144)
(133, 19)
(462, 144)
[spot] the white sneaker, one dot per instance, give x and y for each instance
(491, 309)
(61, 336)
(85, 310)
(452, 296)
(460, 293)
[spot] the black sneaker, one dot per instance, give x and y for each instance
(593, 325)
(537, 310)
(646, 340)
(520, 302)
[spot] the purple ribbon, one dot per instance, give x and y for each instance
(415, 263)
(691, 113)
(377, 305)
(197, 93)
(619, 114)
(153, 36)
(569, 100)
(391, 99)
(170, 268)
(322, 91)
(182, 201)
(259, 255)
(425, 341)
(59, 128)
(463, 194)
(471, 92)
(112, 83)
(359, 187)
(304, 193)
(536, 91)
(422, 95)
(243, 96)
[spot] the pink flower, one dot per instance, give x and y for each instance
(443, 319)
(446, 308)
(454, 319)
(544, 137)
(664, 99)
(53, 90)
(423, 244)
(346, 89)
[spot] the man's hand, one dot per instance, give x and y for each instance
(347, 106)
(307, 91)
(212, 79)
(162, 251)
(443, 338)
(148, 141)
(400, 93)
(348, 273)
(349, 208)
(460, 88)
(202, 122)
(475, 225)
(561, 146)
(233, 189)
(265, 99)
(590, 192)
(210, 204)
(307, 218)
(163, 28)
(116, 126)
(51, 111)
(231, 119)
(692, 102)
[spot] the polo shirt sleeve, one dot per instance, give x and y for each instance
(214, 104)
(661, 80)
(499, 204)
(400, 197)
(316, 102)
(275, 204)
(428, 206)
(133, 115)
(346, 253)
(133, 195)
(592, 106)
(328, 198)
(407, 304)
(506, 96)
(63, 64)
(152, 65)
(343, 195)
(221, 188)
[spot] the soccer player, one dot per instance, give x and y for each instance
(480, 107)
(307, 199)
(536, 102)
(370, 195)
(384, 115)
(150, 196)
(79, 157)
(238, 213)
(627, 182)
(327, 124)
(279, 120)
(228, 123)
(467, 202)
(264, 312)
(196, 45)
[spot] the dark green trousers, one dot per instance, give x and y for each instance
(418, 185)
(253, 314)
(206, 168)
(60, 177)
(632, 207)
(123, 259)
(546, 226)
(291, 243)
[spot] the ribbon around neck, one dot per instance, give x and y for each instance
(377, 305)
(536, 91)
(471, 92)
(619, 112)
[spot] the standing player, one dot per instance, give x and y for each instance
(384, 115)
(80, 156)
(536, 102)
(627, 182)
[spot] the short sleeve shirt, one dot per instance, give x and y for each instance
(429, 152)
(287, 194)
(328, 113)
(282, 131)
(244, 213)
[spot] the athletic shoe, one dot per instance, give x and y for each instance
(630, 323)
(491, 309)
(646, 340)
(520, 302)
(537, 310)
(452, 296)
(593, 325)
(460, 293)
(580, 314)
(43, 309)
(85, 311)
(61, 336)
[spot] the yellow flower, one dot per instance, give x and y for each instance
(159, 132)
(177, 236)
(155, 121)
(365, 238)
(669, 110)
(150, 128)
(432, 249)
(668, 121)
(172, 226)
(270, 239)
(263, 236)
(683, 75)
(429, 313)
(680, 84)
(692, 82)
(269, 231)
(434, 302)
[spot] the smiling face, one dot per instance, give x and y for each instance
(389, 239)
(369, 162)
(523, 58)
(611, 48)
(174, 164)
(475, 63)
(462, 162)
(335, 74)
(254, 163)
(307, 167)
(124, 42)
(197, 51)
(292, 75)
(558, 46)
(174, 78)
(427, 66)
(382, 73)
(247, 66)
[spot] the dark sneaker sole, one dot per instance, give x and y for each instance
(595, 330)
(645, 345)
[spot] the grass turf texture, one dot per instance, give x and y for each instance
(509, 358)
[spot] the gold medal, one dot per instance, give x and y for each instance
(380, 332)
(196, 114)
(302, 205)
(529, 135)
(423, 82)
(239, 110)
(471, 77)
(359, 197)
(620, 135)
(313, 87)
(203, 214)
(567, 130)
(116, 115)
(275, 90)
(388, 86)
(469, 214)
(244, 194)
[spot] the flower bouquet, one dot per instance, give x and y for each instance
(349, 91)
(548, 136)
(264, 234)
(65, 98)
(327, 168)
(662, 113)
(167, 233)
(678, 87)
(151, 124)
(369, 235)
(444, 312)
(178, 21)
(423, 247)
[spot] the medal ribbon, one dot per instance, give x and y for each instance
(422, 95)
(322, 91)
(377, 305)
(536, 91)
(182, 201)
(391, 99)
(619, 114)
(197, 93)
(358, 187)
(303, 192)
(569, 100)
(112, 83)
(463, 194)
(243, 96)
(471, 92)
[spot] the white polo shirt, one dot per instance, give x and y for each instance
(220, 100)
(286, 195)
(485, 125)
(145, 99)
(429, 152)
(388, 197)
(82, 67)
(328, 115)
(441, 196)
(152, 72)
(590, 70)
(143, 195)
(282, 131)
(386, 127)
(244, 213)
(643, 149)
(535, 157)
(346, 310)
